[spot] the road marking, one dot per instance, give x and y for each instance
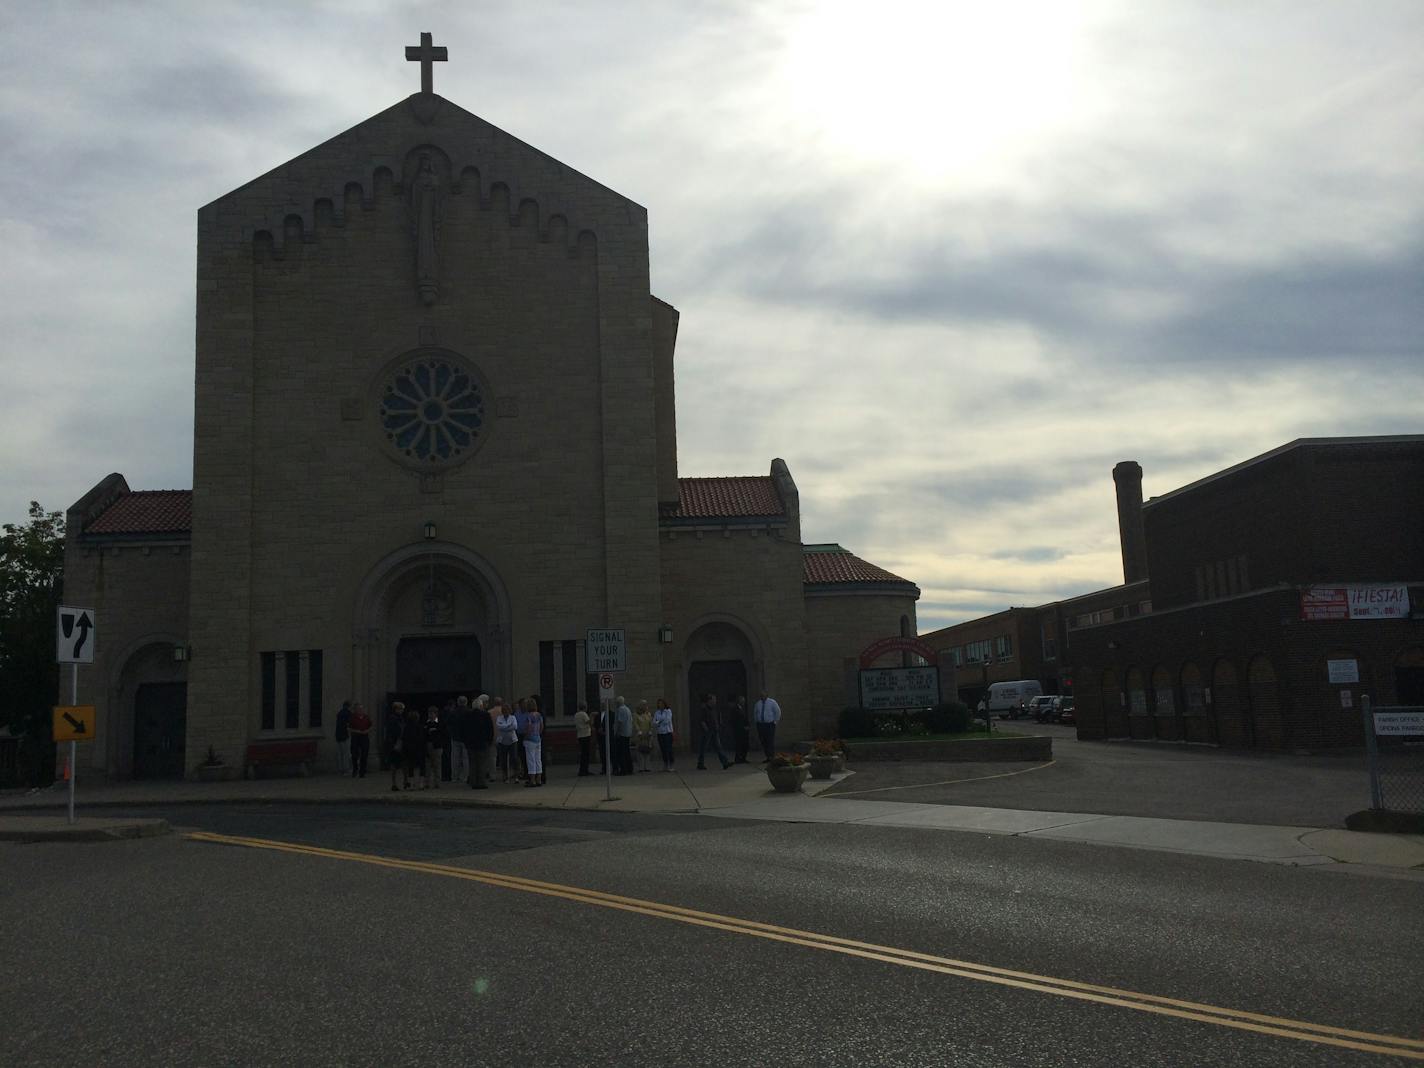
(944, 782)
(1240, 1019)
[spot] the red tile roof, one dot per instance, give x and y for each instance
(738, 497)
(146, 512)
(833, 564)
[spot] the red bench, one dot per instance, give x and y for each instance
(291, 752)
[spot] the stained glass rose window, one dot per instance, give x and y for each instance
(432, 410)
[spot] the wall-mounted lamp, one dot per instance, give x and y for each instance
(429, 530)
(182, 652)
(665, 634)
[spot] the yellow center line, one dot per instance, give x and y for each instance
(1365, 1041)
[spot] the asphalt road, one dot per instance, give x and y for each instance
(1134, 779)
(175, 951)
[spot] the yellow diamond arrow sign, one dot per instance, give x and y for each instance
(74, 723)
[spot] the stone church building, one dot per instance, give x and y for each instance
(434, 443)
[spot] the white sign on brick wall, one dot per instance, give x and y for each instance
(605, 650)
(1343, 671)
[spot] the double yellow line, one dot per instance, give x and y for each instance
(1364, 1041)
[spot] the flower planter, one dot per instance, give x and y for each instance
(787, 780)
(212, 772)
(822, 767)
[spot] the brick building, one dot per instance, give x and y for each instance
(1259, 605)
(434, 443)
(1283, 590)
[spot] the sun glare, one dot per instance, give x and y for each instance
(942, 87)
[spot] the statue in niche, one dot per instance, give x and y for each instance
(425, 191)
(437, 605)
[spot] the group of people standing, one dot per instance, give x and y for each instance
(481, 736)
(486, 735)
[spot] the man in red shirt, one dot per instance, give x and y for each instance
(360, 728)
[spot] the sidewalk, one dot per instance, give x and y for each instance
(742, 792)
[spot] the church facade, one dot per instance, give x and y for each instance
(434, 443)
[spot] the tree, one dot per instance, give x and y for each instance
(31, 577)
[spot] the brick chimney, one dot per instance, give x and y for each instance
(1128, 478)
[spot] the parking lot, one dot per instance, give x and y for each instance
(1134, 779)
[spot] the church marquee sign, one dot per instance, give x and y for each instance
(891, 689)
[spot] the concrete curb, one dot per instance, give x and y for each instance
(30, 829)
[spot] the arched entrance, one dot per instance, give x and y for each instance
(1232, 727)
(1409, 677)
(720, 659)
(432, 622)
(150, 703)
(1270, 732)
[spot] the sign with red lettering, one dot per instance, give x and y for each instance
(1354, 602)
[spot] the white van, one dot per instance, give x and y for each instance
(1009, 698)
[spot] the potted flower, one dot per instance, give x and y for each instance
(822, 759)
(787, 771)
(833, 748)
(212, 769)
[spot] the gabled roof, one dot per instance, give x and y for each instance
(831, 564)
(735, 497)
(146, 512)
(1379, 440)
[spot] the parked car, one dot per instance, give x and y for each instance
(1063, 710)
(1041, 707)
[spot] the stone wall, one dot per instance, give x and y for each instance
(308, 297)
(749, 578)
(838, 627)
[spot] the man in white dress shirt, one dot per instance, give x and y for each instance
(767, 714)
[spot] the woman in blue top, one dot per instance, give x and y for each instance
(534, 742)
(662, 729)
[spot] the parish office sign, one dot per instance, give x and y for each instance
(1354, 602)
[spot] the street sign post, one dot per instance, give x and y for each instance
(74, 640)
(605, 686)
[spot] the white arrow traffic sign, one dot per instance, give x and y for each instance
(74, 635)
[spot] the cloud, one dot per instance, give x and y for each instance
(1196, 236)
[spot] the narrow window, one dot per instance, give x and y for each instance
(546, 678)
(269, 691)
(314, 688)
(293, 702)
(571, 678)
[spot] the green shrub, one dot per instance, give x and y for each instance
(856, 723)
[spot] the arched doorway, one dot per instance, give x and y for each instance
(1194, 721)
(1139, 724)
(1264, 697)
(432, 622)
(150, 701)
(1164, 706)
(1232, 726)
(1409, 677)
(721, 660)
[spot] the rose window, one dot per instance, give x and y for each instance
(432, 411)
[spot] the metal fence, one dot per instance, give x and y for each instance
(1394, 739)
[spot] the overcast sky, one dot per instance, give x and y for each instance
(951, 261)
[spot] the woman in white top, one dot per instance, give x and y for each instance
(662, 729)
(506, 738)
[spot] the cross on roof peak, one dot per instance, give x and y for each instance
(425, 54)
